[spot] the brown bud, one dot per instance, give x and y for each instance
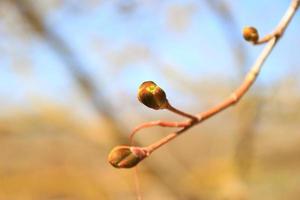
(250, 34)
(152, 95)
(126, 156)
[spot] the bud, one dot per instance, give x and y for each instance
(152, 95)
(250, 34)
(126, 156)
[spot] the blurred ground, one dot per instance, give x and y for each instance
(69, 71)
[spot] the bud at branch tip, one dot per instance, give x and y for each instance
(152, 96)
(126, 156)
(250, 34)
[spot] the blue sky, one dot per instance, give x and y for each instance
(99, 35)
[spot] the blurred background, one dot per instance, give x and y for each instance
(69, 73)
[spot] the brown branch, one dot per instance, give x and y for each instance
(156, 123)
(179, 112)
(244, 87)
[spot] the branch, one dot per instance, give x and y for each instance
(281, 27)
(154, 97)
(156, 123)
(247, 83)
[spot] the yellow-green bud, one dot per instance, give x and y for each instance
(250, 34)
(126, 156)
(152, 95)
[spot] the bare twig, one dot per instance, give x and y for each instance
(281, 27)
(179, 112)
(157, 123)
(244, 87)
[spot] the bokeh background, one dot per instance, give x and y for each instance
(69, 72)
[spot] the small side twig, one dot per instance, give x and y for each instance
(156, 123)
(281, 27)
(179, 112)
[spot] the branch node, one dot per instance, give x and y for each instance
(234, 98)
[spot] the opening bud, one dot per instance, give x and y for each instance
(126, 156)
(250, 34)
(152, 96)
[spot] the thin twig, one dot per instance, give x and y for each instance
(244, 87)
(281, 27)
(157, 123)
(179, 112)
